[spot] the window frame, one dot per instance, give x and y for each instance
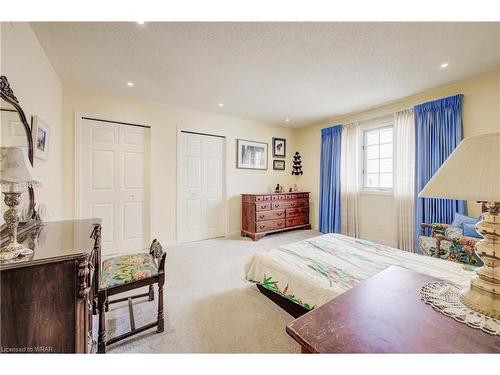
(374, 190)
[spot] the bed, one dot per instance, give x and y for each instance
(306, 274)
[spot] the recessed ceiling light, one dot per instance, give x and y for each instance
(287, 120)
(140, 22)
(221, 104)
(130, 84)
(444, 65)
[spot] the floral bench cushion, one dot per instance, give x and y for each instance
(126, 269)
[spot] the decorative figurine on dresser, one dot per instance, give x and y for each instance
(48, 272)
(273, 212)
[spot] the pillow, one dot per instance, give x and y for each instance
(459, 219)
(454, 232)
(470, 230)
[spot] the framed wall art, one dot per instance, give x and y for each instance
(41, 137)
(279, 165)
(279, 147)
(251, 155)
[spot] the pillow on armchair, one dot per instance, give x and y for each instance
(470, 230)
(460, 249)
(459, 220)
(453, 232)
(453, 241)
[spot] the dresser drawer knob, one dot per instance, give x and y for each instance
(262, 206)
(261, 226)
(276, 205)
(279, 224)
(279, 213)
(261, 216)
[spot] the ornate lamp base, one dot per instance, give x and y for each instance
(12, 249)
(483, 294)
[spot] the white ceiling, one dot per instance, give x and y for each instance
(270, 71)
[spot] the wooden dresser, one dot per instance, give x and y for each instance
(273, 212)
(47, 299)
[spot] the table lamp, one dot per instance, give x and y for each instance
(472, 172)
(16, 174)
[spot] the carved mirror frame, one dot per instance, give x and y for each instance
(7, 94)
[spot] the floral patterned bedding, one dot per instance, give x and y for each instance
(313, 271)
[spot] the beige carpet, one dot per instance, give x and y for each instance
(209, 306)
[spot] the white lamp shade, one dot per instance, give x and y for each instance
(15, 168)
(471, 172)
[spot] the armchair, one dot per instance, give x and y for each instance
(447, 242)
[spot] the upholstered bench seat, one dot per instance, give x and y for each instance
(125, 273)
(126, 269)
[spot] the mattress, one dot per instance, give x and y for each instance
(313, 271)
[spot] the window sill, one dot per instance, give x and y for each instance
(388, 192)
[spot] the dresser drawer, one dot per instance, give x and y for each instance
(302, 202)
(295, 212)
(269, 215)
(281, 197)
(294, 221)
(288, 204)
(263, 198)
(265, 226)
(262, 206)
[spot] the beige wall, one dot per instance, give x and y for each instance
(39, 92)
(164, 121)
(481, 114)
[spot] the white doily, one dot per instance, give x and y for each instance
(445, 298)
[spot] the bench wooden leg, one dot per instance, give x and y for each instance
(101, 337)
(151, 293)
(161, 320)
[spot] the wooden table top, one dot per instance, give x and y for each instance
(385, 314)
(55, 241)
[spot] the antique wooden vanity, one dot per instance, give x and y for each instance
(47, 299)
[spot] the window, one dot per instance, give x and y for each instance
(377, 158)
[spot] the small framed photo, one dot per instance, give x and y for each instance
(279, 165)
(251, 155)
(279, 147)
(41, 137)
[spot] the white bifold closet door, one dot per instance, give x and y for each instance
(201, 187)
(114, 183)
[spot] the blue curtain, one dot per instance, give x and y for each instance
(329, 196)
(438, 130)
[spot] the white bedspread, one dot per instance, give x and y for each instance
(313, 271)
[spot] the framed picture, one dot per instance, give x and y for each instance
(279, 165)
(41, 137)
(251, 155)
(279, 147)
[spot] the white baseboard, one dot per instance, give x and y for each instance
(236, 233)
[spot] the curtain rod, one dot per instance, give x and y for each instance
(378, 116)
